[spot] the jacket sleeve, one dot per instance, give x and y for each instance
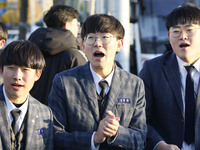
(153, 136)
(64, 139)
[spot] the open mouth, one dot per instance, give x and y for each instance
(16, 85)
(184, 45)
(99, 54)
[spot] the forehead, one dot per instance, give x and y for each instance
(99, 34)
(17, 66)
(185, 26)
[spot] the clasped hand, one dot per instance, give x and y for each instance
(107, 128)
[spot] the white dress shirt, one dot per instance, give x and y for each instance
(10, 106)
(97, 78)
(195, 75)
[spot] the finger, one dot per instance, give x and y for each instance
(111, 127)
(117, 119)
(109, 132)
(111, 122)
(110, 113)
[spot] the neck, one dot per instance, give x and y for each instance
(18, 101)
(103, 72)
(18, 105)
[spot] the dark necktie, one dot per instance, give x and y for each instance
(189, 107)
(103, 85)
(15, 114)
(101, 101)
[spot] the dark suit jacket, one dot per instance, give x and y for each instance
(164, 110)
(39, 117)
(73, 100)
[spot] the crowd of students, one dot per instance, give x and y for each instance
(51, 97)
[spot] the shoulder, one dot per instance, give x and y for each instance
(40, 31)
(73, 56)
(74, 72)
(73, 52)
(157, 61)
(39, 106)
(125, 75)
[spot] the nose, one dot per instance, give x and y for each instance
(18, 74)
(183, 35)
(98, 41)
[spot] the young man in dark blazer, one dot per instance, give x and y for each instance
(166, 82)
(89, 118)
(25, 123)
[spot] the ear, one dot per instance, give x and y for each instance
(38, 74)
(120, 44)
(67, 26)
(168, 35)
(2, 43)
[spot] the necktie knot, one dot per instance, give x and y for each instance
(15, 114)
(103, 84)
(189, 69)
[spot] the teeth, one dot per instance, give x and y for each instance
(98, 52)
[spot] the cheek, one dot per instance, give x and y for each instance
(87, 49)
(6, 75)
(112, 49)
(29, 82)
(196, 41)
(174, 43)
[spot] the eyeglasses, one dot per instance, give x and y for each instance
(176, 32)
(105, 39)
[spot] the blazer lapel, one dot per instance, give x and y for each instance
(171, 71)
(31, 122)
(88, 87)
(4, 122)
(4, 125)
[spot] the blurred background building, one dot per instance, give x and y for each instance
(144, 22)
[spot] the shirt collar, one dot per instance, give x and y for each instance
(97, 78)
(181, 64)
(11, 106)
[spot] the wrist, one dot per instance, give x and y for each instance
(98, 139)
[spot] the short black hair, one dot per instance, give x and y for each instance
(3, 32)
(183, 14)
(22, 53)
(102, 23)
(58, 15)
